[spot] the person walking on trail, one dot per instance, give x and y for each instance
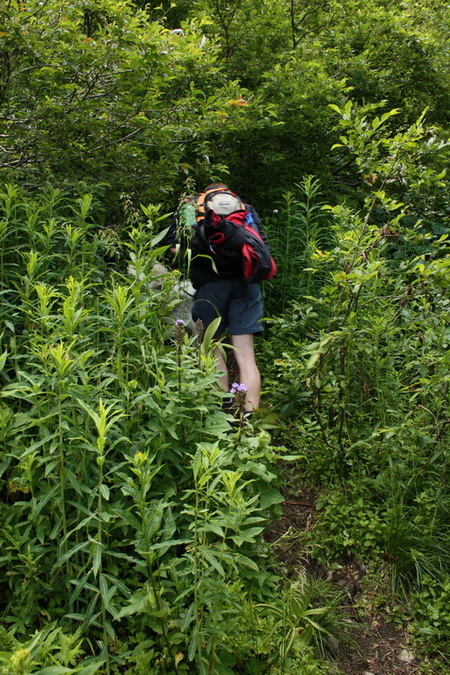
(224, 272)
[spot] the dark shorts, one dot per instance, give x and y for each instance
(238, 303)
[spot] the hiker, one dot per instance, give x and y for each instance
(222, 290)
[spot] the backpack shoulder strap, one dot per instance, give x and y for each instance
(201, 206)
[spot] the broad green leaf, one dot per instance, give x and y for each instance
(210, 333)
(248, 562)
(104, 490)
(270, 496)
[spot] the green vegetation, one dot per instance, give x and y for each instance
(132, 512)
(359, 368)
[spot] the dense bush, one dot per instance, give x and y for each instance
(360, 369)
(131, 511)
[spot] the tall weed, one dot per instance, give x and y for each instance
(300, 228)
(132, 512)
(360, 373)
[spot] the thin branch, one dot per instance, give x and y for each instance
(117, 140)
(96, 145)
(381, 297)
(17, 162)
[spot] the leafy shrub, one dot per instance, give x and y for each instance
(131, 512)
(349, 525)
(360, 372)
(432, 617)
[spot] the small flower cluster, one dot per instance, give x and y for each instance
(237, 387)
(179, 331)
(239, 391)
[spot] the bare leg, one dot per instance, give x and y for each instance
(221, 365)
(248, 370)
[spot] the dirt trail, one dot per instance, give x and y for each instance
(372, 645)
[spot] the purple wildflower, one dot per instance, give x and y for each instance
(239, 393)
(237, 387)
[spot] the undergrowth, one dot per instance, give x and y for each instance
(359, 373)
(132, 511)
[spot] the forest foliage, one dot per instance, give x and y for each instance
(132, 508)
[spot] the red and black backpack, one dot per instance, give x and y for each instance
(230, 234)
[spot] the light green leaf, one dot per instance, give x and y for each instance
(212, 527)
(247, 562)
(66, 556)
(97, 558)
(54, 670)
(313, 360)
(271, 496)
(211, 558)
(210, 333)
(104, 490)
(160, 236)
